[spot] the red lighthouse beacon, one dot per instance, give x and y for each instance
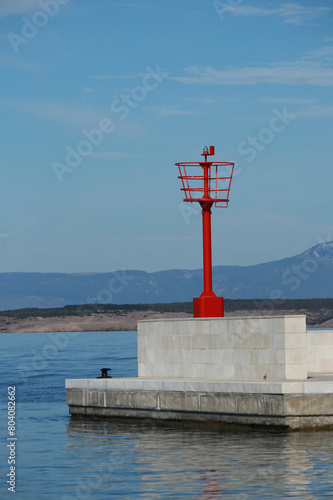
(208, 183)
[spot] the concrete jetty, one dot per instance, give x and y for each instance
(253, 371)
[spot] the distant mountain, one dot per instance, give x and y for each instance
(305, 276)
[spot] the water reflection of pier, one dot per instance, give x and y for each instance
(204, 465)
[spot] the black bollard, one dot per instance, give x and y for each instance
(105, 373)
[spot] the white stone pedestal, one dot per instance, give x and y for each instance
(273, 348)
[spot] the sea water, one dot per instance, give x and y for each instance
(57, 457)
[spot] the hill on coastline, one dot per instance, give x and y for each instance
(111, 317)
(304, 276)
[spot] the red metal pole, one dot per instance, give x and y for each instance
(206, 205)
(207, 305)
(207, 248)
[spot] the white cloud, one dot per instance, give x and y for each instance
(130, 4)
(297, 73)
(210, 100)
(324, 53)
(16, 63)
(288, 100)
(313, 69)
(318, 111)
(105, 155)
(76, 117)
(291, 13)
(163, 111)
(59, 112)
(311, 111)
(112, 77)
(15, 7)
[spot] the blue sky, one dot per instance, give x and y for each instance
(99, 99)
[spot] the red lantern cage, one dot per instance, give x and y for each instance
(208, 183)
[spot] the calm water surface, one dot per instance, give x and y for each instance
(60, 458)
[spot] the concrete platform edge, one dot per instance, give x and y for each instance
(289, 411)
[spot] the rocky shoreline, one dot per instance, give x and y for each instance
(86, 323)
(127, 321)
